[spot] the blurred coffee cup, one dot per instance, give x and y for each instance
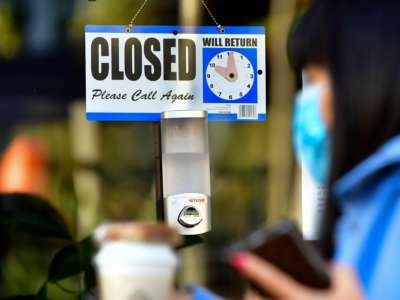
(136, 261)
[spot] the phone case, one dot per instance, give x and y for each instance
(283, 246)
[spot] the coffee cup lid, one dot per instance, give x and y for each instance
(136, 231)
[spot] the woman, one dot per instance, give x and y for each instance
(347, 132)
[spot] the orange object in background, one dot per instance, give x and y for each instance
(23, 167)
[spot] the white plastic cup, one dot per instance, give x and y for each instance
(135, 270)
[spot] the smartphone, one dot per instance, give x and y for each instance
(283, 246)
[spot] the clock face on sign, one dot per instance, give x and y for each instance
(230, 75)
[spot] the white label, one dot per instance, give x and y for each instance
(138, 75)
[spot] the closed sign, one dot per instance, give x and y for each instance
(138, 75)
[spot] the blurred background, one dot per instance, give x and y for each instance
(91, 172)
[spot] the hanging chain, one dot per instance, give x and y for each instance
(129, 28)
(220, 27)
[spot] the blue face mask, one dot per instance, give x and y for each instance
(310, 135)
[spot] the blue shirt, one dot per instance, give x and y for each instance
(200, 293)
(368, 232)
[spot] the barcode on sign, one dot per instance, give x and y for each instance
(247, 112)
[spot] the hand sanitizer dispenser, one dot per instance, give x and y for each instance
(186, 171)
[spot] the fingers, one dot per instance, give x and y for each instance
(180, 296)
(342, 273)
(250, 295)
(267, 277)
(345, 283)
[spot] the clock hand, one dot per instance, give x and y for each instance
(231, 70)
(221, 71)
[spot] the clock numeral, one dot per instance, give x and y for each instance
(230, 97)
(208, 75)
(219, 56)
(211, 86)
(248, 86)
(241, 57)
(241, 94)
(219, 93)
(251, 76)
(248, 66)
(212, 65)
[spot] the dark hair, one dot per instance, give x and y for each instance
(359, 43)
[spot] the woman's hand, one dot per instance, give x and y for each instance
(180, 296)
(345, 285)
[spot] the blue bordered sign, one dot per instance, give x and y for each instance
(138, 75)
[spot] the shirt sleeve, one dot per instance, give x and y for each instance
(200, 293)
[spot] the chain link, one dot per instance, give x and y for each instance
(129, 28)
(220, 27)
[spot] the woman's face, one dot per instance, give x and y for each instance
(320, 75)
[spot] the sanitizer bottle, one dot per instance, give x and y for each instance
(186, 171)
